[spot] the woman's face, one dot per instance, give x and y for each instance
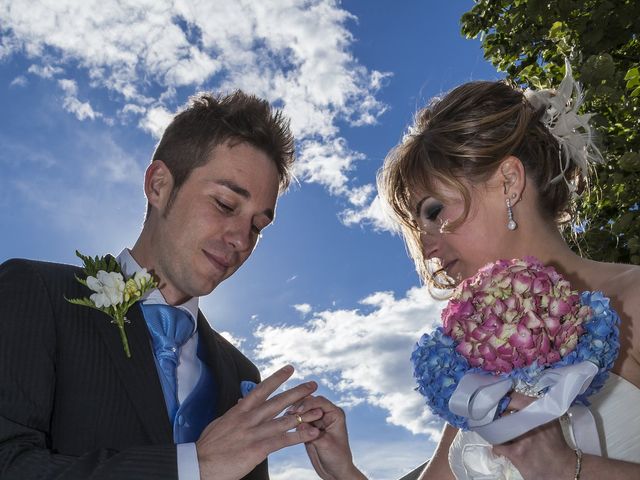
(481, 238)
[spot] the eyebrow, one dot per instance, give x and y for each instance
(243, 192)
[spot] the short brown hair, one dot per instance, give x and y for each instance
(466, 135)
(210, 120)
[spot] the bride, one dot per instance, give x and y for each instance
(489, 172)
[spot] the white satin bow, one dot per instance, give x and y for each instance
(478, 395)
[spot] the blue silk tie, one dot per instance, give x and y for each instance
(170, 328)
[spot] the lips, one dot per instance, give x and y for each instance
(218, 261)
(447, 266)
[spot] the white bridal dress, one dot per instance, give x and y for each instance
(616, 409)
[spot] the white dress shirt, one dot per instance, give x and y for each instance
(188, 370)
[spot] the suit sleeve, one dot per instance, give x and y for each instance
(27, 388)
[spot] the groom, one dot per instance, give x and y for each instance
(72, 405)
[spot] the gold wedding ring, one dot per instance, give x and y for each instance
(298, 419)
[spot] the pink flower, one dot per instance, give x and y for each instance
(559, 307)
(522, 282)
(513, 313)
(455, 309)
(532, 320)
(522, 339)
(543, 345)
(541, 286)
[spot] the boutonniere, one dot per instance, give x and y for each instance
(113, 294)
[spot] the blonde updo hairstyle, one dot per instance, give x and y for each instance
(466, 135)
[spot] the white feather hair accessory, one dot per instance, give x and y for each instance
(572, 131)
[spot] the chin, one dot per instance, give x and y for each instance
(208, 288)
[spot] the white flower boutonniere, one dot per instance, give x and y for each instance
(113, 295)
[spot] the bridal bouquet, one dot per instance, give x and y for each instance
(515, 325)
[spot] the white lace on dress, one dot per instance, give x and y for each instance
(616, 409)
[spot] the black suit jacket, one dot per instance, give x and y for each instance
(72, 405)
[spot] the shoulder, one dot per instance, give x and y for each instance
(25, 269)
(27, 278)
(624, 282)
(621, 283)
(246, 368)
(613, 279)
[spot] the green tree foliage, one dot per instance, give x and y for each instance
(529, 39)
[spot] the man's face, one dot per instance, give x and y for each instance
(214, 222)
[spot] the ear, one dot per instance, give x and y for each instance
(512, 175)
(158, 184)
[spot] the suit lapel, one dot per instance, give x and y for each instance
(221, 364)
(138, 373)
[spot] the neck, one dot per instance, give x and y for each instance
(144, 253)
(543, 240)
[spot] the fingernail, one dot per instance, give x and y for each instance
(311, 385)
(313, 431)
(287, 369)
(300, 408)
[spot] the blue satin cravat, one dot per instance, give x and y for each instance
(170, 328)
(199, 408)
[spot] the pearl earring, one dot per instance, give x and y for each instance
(511, 224)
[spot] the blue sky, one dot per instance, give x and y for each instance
(85, 90)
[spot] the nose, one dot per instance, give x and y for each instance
(429, 246)
(239, 235)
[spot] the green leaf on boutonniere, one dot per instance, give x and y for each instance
(93, 265)
(113, 294)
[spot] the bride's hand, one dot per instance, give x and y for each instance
(541, 453)
(329, 453)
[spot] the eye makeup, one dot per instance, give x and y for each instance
(431, 211)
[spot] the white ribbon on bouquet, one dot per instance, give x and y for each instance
(478, 395)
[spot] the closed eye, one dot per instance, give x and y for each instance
(224, 207)
(432, 211)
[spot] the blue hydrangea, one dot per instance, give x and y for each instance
(599, 343)
(438, 367)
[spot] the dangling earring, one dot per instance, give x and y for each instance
(511, 224)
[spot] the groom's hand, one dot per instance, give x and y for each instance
(233, 444)
(329, 451)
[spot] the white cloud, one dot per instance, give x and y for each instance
(378, 458)
(45, 71)
(235, 341)
(296, 53)
(19, 81)
(303, 308)
(288, 471)
(362, 356)
(8, 44)
(382, 460)
(156, 120)
(375, 214)
(82, 110)
(327, 163)
(358, 196)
